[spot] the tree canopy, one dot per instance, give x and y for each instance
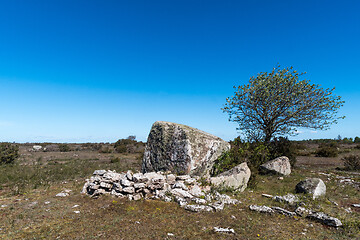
(278, 103)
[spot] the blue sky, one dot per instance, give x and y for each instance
(92, 71)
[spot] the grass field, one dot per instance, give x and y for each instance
(31, 210)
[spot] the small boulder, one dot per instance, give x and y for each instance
(261, 209)
(280, 165)
(313, 186)
(236, 178)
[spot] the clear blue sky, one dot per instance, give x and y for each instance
(90, 71)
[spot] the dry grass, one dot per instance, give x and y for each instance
(114, 218)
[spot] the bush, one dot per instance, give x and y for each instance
(255, 154)
(64, 148)
(129, 145)
(351, 162)
(284, 147)
(327, 150)
(8, 153)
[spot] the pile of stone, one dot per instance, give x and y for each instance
(187, 191)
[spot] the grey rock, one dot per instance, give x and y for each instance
(301, 211)
(313, 186)
(170, 179)
(128, 190)
(198, 208)
(179, 148)
(105, 185)
(117, 187)
(218, 206)
(325, 219)
(112, 176)
(137, 197)
(190, 181)
(261, 209)
(224, 230)
(62, 194)
(129, 175)
(267, 195)
(99, 172)
(180, 185)
(289, 198)
(139, 178)
(126, 183)
(181, 193)
(181, 201)
(139, 185)
(196, 191)
(283, 211)
(280, 165)
(356, 205)
(182, 177)
(199, 201)
(236, 178)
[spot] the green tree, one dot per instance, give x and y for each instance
(278, 103)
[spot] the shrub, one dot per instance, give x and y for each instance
(64, 147)
(284, 147)
(129, 145)
(8, 152)
(356, 140)
(327, 150)
(351, 162)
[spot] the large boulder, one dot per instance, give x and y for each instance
(313, 186)
(181, 149)
(236, 178)
(280, 165)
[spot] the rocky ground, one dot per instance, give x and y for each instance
(54, 208)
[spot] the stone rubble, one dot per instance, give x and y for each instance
(182, 189)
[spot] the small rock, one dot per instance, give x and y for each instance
(357, 205)
(128, 190)
(75, 206)
(62, 194)
(302, 212)
(126, 183)
(99, 172)
(4, 206)
(137, 197)
(170, 179)
(283, 211)
(76, 211)
(170, 234)
(105, 185)
(181, 193)
(47, 202)
(267, 195)
(218, 206)
(262, 209)
(198, 208)
(182, 177)
(289, 198)
(325, 219)
(224, 230)
(129, 175)
(181, 185)
(199, 200)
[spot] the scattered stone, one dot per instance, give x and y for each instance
(76, 211)
(179, 148)
(137, 197)
(4, 206)
(261, 209)
(62, 194)
(302, 212)
(356, 205)
(181, 193)
(33, 204)
(313, 186)
(75, 206)
(198, 208)
(281, 178)
(325, 219)
(218, 206)
(348, 210)
(283, 211)
(170, 234)
(99, 172)
(267, 195)
(236, 178)
(47, 202)
(182, 177)
(280, 165)
(289, 199)
(180, 185)
(224, 230)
